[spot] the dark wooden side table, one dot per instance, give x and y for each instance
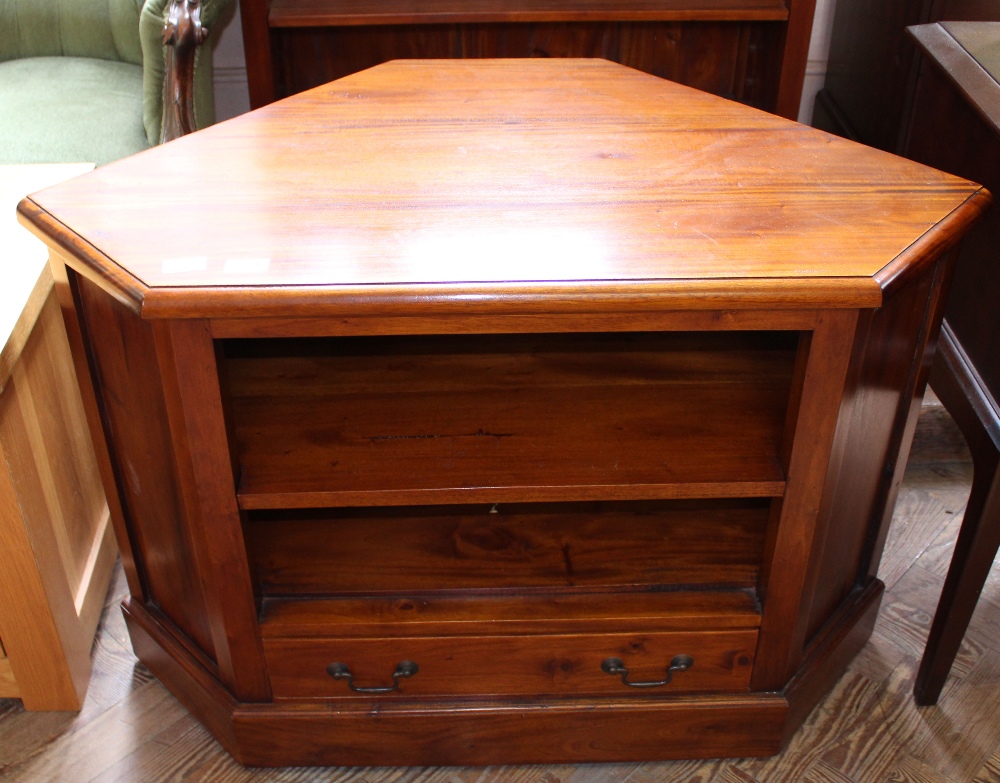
(956, 127)
(872, 69)
(476, 412)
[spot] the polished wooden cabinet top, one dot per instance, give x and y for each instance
(501, 179)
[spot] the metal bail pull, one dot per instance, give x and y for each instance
(404, 670)
(615, 666)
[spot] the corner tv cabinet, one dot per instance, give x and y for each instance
(508, 411)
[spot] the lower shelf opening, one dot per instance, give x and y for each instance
(555, 548)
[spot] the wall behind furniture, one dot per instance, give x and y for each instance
(819, 53)
(232, 96)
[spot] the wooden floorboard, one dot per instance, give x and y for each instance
(868, 730)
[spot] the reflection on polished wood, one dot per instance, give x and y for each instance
(575, 172)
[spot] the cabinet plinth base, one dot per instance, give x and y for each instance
(509, 731)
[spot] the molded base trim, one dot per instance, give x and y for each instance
(459, 731)
(509, 731)
(829, 654)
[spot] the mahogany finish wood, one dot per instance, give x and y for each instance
(568, 414)
(753, 51)
(505, 368)
(956, 126)
(498, 665)
(525, 612)
(551, 547)
(329, 13)
(542, 204)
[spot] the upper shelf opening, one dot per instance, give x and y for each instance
(488, 418)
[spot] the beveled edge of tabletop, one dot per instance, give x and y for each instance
(502, 298)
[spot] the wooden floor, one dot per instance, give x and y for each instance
(867, 731)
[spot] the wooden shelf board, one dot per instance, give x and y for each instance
(771, 487)
(321, 13)
(680, 610)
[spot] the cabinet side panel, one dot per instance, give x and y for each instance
(884, 381)
(132, 408)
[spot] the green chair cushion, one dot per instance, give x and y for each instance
(105, 29)
(70, 109)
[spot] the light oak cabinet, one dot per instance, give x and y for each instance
(56, 538)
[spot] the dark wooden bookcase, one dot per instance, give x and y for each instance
(753, 51)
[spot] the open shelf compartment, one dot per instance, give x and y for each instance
(496, 418)
(558, 548)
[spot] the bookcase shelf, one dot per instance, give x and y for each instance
(324, 13)
(754, 51)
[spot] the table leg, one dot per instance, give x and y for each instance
(956, 382)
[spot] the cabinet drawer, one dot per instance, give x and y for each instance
(512, 665)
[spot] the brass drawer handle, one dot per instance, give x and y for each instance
(615, 666)
(404, 669)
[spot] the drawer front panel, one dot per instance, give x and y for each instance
(513, 665)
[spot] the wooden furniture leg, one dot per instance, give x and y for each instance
(960, 388)
(182, 35)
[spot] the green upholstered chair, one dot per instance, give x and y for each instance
(84, 80)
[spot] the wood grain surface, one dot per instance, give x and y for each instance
(575, 417)
(322, 13)
(537, 665)
(238, 429)
(867, 730)
(503, 171)
(133, 411)
(444, 615)
(753, 51)
(55, 530)
(505, 547)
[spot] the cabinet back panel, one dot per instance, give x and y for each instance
(383, 415)
(710, 56)
(559, 547)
